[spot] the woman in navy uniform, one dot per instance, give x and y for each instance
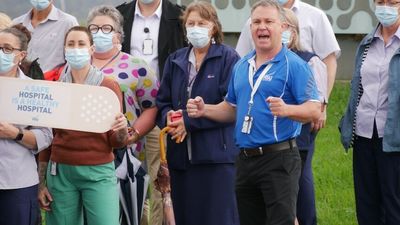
(202, 165)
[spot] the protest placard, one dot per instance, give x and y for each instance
(57, 105)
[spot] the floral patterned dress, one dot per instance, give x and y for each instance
(139, 84)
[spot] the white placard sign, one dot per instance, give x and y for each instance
(57, 105)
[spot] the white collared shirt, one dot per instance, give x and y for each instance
(316, 33)
(47, 41)
(17, 163)
(138, 36)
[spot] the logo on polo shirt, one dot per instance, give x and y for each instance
(209, 76)
(268, 77)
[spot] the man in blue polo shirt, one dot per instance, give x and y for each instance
(271, 92)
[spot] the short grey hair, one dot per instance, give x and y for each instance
(113, 13)
(270, 3)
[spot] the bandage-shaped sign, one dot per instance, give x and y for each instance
(57, 105)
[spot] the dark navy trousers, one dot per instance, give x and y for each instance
(204, 194)
(19, 206)
(376, 182)
(306, 211)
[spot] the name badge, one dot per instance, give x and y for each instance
(148, 46)
(247, 124)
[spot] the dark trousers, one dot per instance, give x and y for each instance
(267, 187)
(19, 206)
(306, 210)
(376, 182)
(204, 194)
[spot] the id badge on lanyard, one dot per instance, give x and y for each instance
(248, 119)
(247, 123)
(147, 46)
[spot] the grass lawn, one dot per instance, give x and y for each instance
(332, 167)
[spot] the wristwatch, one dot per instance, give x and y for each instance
(20, 134)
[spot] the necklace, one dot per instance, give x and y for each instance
(115, 56)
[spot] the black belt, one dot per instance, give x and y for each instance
(285, 145)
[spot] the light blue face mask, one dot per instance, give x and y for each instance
(77, 58)
(282, 2)
(146, 2)
(386, 15)
(286, 35)
(40, 4)
(198, 36)
(103, 42)
(6, 62)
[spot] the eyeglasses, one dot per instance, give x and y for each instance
(106, 28)
(391, 4)
(9, 49)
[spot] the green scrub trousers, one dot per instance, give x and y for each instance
(78, 188)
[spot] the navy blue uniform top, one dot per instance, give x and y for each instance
(211, 142)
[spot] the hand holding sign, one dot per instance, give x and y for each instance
(58, 105)
(7, 130)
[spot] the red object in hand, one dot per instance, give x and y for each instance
(176, 116)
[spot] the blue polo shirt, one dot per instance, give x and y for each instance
(289, 78)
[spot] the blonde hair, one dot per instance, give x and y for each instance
(5, 21)
(293, 24)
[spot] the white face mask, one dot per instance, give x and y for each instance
(103, 42)
(40, 4)
(386, 15)
(146, 2)
(286, 36)
(282, 2)
(198, 36)
(6, 62)
(77, 58)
